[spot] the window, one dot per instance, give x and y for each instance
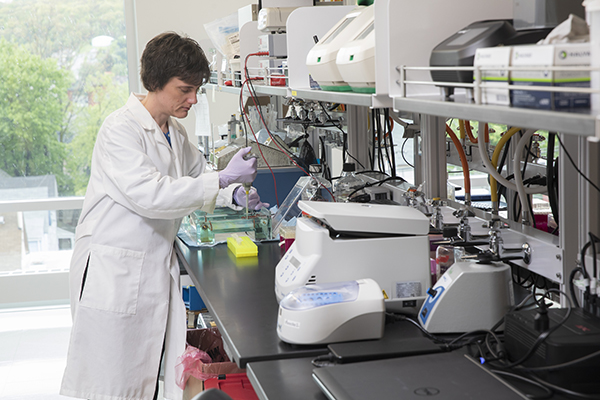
(65, 244)
(63, 69)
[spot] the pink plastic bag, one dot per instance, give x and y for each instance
(204, 358)
(190, 364)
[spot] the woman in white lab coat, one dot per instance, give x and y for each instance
(145, 176)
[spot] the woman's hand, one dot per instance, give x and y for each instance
(239, 169)
(254, 203)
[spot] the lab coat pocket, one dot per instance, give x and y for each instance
(113, 279)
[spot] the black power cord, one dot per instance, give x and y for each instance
(550, 177)
(344, 136)
(402, 153)
(366, 185)
(325, 360)
(391, 139)
(590, 300)
(575, 166)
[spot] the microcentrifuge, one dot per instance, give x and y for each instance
(332, 312)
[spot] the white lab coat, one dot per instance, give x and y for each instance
(130, 301)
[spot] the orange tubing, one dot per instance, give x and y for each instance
(472, 138)
(463, 160)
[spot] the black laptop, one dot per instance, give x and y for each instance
(400, 339)
(441, 376)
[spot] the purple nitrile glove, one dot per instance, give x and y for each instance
(254, 203)
(238, 170)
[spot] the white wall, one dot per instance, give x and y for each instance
(184, 17)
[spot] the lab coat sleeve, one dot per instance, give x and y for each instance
(133, 180)
(225, 197)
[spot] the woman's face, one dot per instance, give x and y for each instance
(177, 97)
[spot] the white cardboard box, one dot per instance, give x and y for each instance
(494, 57)
(563, 54)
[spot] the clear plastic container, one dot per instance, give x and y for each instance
(289, 210)
(444, 258)
(347, 184)
(287, 235)
(319, 188)
(313, 296)
(207, 229)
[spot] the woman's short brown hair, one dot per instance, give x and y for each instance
(170, 55)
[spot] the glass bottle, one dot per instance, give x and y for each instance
(231, 129)
(347, 183)
(319, 188)
(205, 231)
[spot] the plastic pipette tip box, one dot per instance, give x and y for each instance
(242, 246)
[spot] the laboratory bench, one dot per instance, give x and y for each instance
(289, 379)
(239, 294)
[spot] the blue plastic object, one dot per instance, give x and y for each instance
(192, 299)
(286, 179)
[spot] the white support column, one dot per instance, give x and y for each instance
(569, 190)
(358, 140)
(592, 148)
(433, 162)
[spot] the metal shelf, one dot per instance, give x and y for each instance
(224, 89)
(355, 99)
(260, 89)
(350, 98)
(578, 122)
(272, 90)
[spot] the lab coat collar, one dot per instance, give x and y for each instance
(144, 118)
(140, 113)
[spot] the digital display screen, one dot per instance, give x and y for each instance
(466, 36)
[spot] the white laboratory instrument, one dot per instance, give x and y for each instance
(469, 296)
(273, 19)
(321, 59)
(273, 43)
(348, 241)
(332, 312)
(415, 28)
(356, 59)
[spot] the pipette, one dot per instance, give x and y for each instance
(247, 187)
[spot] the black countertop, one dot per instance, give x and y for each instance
(284, 379)
(240, 295)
